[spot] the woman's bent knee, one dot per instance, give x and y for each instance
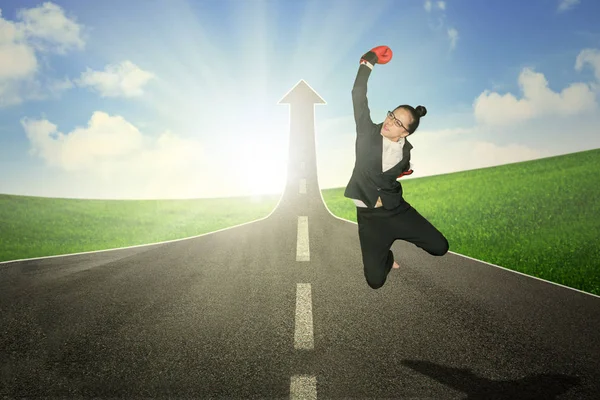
(376, 269)
(374, 280)
(441, 249)
(375, 284)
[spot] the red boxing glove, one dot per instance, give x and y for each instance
(410, 171)
(383, 53)
(378, 55)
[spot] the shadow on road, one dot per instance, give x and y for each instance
(541, 386)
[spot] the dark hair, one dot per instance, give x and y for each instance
(417, 113)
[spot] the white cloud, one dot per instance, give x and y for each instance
(453, 36)
(567, 4)
(429, 5)
(538, 99)
(49, 29)
(104, 138)
(110, 149)
(125, 79)
(590, 57)
(452, 33)
(44, 28)
(17, 59)
(10, 32)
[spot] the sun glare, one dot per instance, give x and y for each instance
(257, 158)
(261, 170)
(234, 110)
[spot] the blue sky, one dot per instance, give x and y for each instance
(178, 98)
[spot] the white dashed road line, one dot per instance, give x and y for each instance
(303, 336)
(302, 186)
(302, 248)
(303, 387)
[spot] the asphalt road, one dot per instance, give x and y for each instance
(215, 316)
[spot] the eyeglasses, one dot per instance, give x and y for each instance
(396, 120)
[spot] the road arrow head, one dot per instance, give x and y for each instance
(302, 93)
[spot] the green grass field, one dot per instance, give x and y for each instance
(538, 217)
(37, 226)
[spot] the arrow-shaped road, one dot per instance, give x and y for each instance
(279, 308)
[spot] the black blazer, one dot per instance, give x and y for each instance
(368, 181)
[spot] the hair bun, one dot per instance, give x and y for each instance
(421, 111)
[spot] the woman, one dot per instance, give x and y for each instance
(382, 156)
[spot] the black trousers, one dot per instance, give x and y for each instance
(378, 228)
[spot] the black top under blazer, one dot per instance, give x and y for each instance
(368, 181)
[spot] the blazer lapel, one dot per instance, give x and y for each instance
(378, 149)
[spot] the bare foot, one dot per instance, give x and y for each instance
(395, 265)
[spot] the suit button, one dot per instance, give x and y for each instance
(378, 189)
